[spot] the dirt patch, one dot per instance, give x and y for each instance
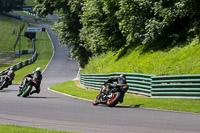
(7, 57)
(79, 85)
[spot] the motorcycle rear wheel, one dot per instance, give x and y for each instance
(114, 100)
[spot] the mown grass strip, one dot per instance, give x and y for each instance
(22, 129)
(185, 105)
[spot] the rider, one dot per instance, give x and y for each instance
(37, 76)
(9, 76)
(121, 80)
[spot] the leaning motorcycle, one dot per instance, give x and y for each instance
(26, 90)
(111, 98)
(5, 82)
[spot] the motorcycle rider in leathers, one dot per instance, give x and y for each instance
(9, 76)
(121, 80)
(37, 76)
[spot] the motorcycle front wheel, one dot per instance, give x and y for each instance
(114, 100)
(3, 85)
(96, 100)
(27, 91)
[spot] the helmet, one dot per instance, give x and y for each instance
(38, 69)
(122, 75)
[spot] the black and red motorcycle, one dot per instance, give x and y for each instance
(5, 82)
(112, 97)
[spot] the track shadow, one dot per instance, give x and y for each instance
(36, 97)
(8, 90)
(122, 106)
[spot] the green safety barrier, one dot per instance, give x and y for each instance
(173, 86)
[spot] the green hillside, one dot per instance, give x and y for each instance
(9, 29)
(30, 2)
(176, 61)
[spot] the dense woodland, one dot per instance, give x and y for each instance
(93, 27)
(9, 5)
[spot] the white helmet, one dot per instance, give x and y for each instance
(38, 69)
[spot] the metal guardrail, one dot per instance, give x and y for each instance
(138, 83)
(174, 86)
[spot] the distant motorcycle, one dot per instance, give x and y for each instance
(5, 82)
(112, 98)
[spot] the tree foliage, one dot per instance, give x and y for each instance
(9, 5)
(93, 27)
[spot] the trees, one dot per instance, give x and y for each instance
(156, 23)
(100, 27)
(8, 5)
(69, 26)
(93, 27)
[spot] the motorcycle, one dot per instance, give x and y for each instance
(5, 82)
(26, 90)
(111, 98)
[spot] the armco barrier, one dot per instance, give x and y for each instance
(174, 86)
(21, 64)
(139, 83)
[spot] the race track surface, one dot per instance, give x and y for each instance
(51, 110)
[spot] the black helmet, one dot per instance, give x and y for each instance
(122, 75)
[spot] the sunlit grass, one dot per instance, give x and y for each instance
(22, 129)
(9, 30)
(177, 61)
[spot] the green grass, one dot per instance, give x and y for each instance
(21, 129)
(33, 17)
(9, 29)
(177, 61)
(71, 89)
(30, 2)
(44, 52)
(185, 105)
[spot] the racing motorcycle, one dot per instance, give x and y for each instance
(26, 90)
(112, 97)
(5, 82)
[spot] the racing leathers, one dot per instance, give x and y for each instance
(34, 76)
(7, 77)
(110, 84)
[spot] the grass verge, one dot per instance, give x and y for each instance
(184, 105)
(21, 129)
(9, 30)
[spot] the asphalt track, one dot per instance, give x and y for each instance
(52, 110)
